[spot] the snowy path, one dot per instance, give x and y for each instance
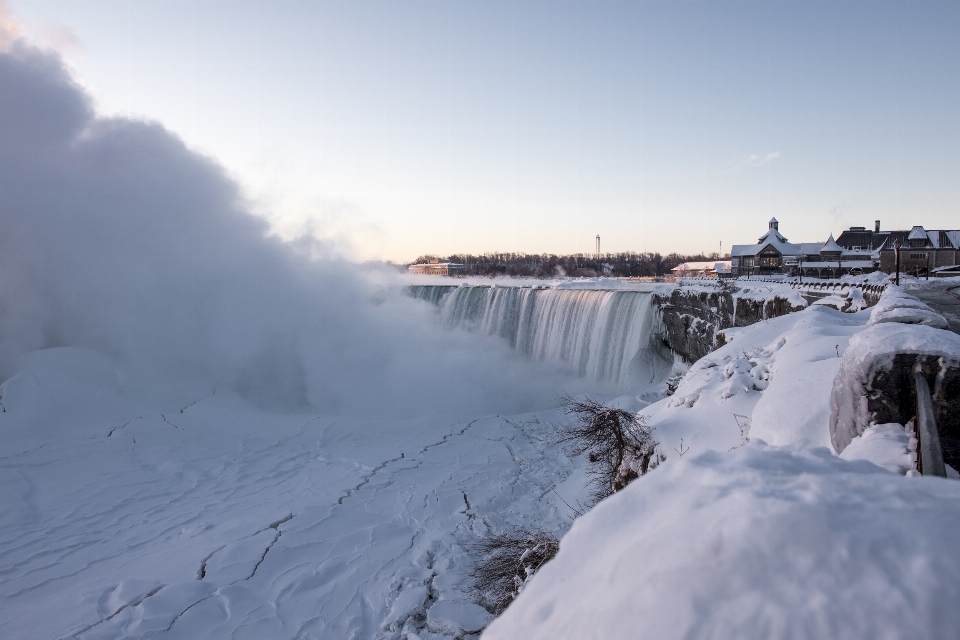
(224, 522)
(946, 303)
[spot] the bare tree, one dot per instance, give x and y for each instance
(619, 444)
(505, 562)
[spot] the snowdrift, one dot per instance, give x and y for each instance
(760, 542)
(896, 305)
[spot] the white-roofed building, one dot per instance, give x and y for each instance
(774, 254)
(437, 268)
(711, 269)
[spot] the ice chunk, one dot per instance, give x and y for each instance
(457, 617)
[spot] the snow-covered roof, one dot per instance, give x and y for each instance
(722, 266)
(917, 233)
(744, 250)
(772, 234)
(944, 239)
(785, 248)
(810, 248)
(831, 246)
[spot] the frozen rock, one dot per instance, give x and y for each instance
(875, 380)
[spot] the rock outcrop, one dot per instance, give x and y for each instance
(693, 316)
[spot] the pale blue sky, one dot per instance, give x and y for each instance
(449, 126)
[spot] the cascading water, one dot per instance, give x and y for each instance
(605, 335)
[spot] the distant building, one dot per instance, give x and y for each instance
(437, 268)
(920, 250)
(710, 269)
(774, 254)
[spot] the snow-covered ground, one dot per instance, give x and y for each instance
(220, 520)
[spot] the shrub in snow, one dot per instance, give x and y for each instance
(506, 562)
(875, 382)
(619, 444)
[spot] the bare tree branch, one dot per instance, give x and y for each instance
(619, 444)
(505, 562)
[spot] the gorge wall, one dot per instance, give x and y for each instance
(691, 317)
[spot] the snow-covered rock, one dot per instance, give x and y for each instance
(871, 353)
(896, 305)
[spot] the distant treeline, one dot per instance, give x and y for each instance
(576, 265)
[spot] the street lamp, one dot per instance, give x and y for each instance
(896, 248)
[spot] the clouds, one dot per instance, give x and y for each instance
(118, 238)
(751, 161)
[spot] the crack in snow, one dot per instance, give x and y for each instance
(109, 435)
(198, 400)
(368, 478)
(115, 613)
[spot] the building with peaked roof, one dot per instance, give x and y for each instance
(920, 250)
(774, 254)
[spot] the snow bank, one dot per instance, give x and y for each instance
(769, 291)
(885, 445)
(896, 305)
(871, 352)
(757, 543)
(913, 284)
(758, 291)
(771, 380)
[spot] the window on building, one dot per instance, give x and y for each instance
(769, 259)
(918, 256)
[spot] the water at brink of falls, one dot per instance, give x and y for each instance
(604, 335)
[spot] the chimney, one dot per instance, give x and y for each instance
(876, 226)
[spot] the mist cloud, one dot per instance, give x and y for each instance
(116, 237)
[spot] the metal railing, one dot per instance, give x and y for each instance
(929, 453)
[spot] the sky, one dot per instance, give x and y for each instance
(403, 128)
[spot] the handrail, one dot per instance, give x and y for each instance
(929, 454)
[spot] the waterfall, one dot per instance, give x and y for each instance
(604, 335)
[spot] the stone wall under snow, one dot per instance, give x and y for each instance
(875, 382)
(692, 315)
